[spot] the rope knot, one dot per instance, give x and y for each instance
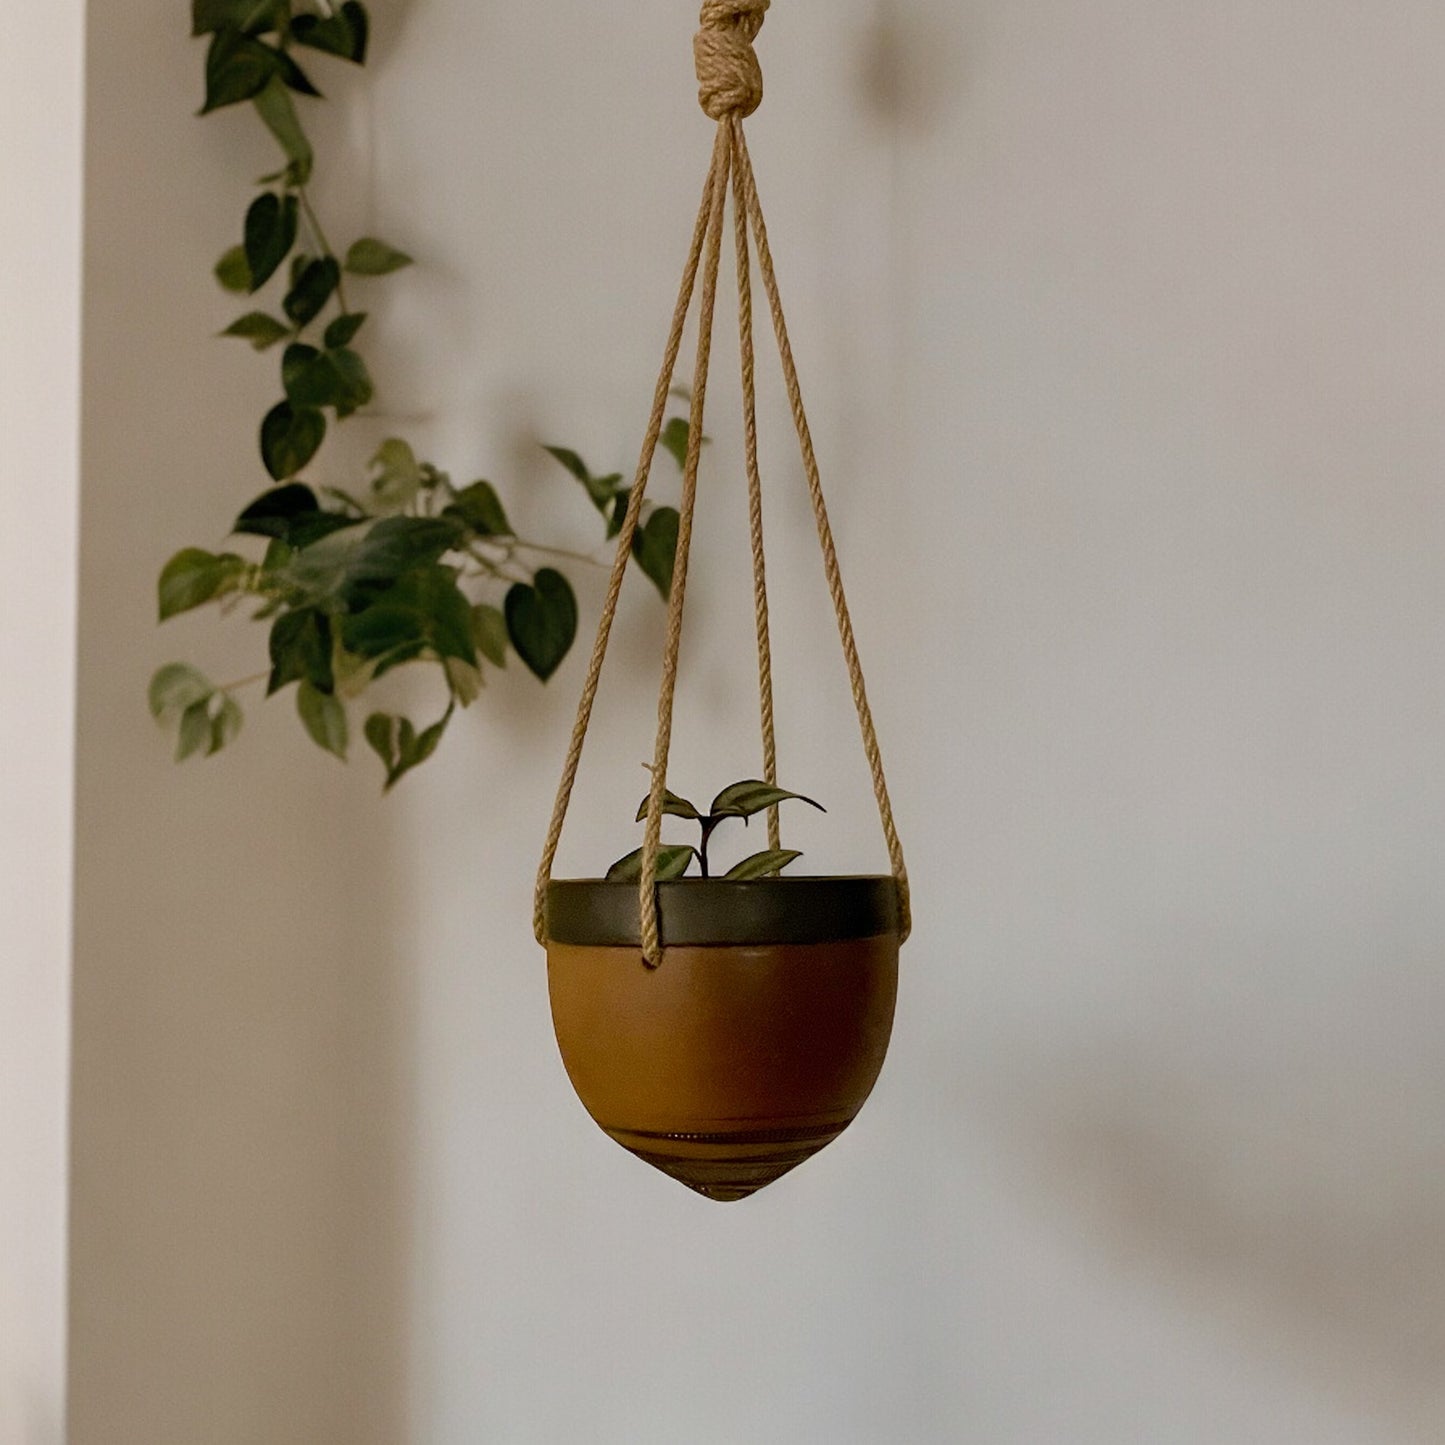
(729, 78)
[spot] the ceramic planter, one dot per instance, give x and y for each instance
(757, 1040)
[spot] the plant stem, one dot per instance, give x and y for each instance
(244, 682)
(708, 825)
(557, 552)
(322, 244)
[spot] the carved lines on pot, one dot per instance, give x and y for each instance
(731, 1165)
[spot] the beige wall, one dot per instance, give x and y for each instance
(40, 119)
(1122, 328)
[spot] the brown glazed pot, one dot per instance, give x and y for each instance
(757, 1040)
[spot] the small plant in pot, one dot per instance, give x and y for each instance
(758, 1037)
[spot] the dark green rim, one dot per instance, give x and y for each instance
(702, 912)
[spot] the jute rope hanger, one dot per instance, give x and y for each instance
(730, 85)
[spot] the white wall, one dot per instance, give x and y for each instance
(40, 118)
(1121, 327)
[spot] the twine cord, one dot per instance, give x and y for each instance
(730, 87)
(624, 552)
(755, 495)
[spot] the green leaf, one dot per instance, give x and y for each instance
(464, 680)
(423, 611)
(274, 105)
(195, 730)
(290, 514)
(381, 731)
(193, 577)
(177, 687)
(238, 68)
(602, 490)
(271, 224)
(290, 437)
(254, 17)
(344, 34)
(396, 545)
(301, 648)
(370, 257)
(479, 507)
(324, 717)
(261, 330)
(233, 270)
(311, 290)
(396, 476)
(571, 461)
(760, 865)
(489, 632)
(655, 547)
(674, 438)
(542, 621)
(342, 331)
(672, 806)
(325, 378)
(744, 800)
(619, 514)
(396, 742)
(225, 724)
(671, 863)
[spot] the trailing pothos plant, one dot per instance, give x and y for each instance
(401, 566)
(743, 800)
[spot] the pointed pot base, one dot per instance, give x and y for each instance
(728, 1166)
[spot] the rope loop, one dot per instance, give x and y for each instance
(729, 77)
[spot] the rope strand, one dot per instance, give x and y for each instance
(831, 566)
(755, 499)
(652, 838)
(624, 546)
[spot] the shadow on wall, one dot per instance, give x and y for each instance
(1304, 1210)
(908, 66)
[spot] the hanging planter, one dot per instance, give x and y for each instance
(723, 1030)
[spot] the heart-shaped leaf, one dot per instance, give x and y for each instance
(311, 291)
(325, 378)
(343, 34)
(233, 271)
(481, 509)
(671, 863)
(324, 717)
(675, 438)
(290, 437)
(542, 621)
(655, 547)
(194, 577)
(398, 744)
(760, 865)
(271, 223)
(178, 687)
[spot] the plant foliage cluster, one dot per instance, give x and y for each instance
(743, 800)
(403, 566)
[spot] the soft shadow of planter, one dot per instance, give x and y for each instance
(757, 1040)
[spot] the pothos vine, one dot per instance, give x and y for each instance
(405, 566)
